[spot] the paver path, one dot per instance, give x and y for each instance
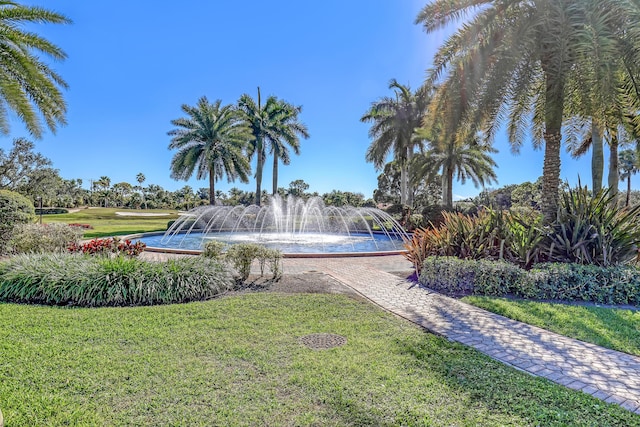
(607, 374)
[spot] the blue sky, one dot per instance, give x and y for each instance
(132, 64)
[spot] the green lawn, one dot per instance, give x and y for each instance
(608, 327)
(105, 222)
(237, 361)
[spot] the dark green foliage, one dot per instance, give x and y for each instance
(109, 281)
(575, 282)
(14, 209)
(51, 211)
(433, 214)
(456, 276)
(556, 281)
(592, 230)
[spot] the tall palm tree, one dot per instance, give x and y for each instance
(28, 86)
(104, 186)
(628, 162)
(141, 179)
(290, 129)
(467, 161)
(212, 138)
(513, 60)
(393, 130)
(274, 123)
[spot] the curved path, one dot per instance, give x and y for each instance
(606, 374)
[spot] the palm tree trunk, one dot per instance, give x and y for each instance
(212, 185)
(613, 168)
(409, 186)
(447, 187)
(628, 189)
(403, 183)
(275, 174)
(597, 157)
(259, 167)
(554, 101)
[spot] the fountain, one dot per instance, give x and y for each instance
(293, 225)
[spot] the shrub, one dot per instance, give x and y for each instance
(592, 230)
(14, 209)
(51, 211)
(214, 249)
(54, 237)
(454, 276)
(242, 255)
(575, 282)
(554, 281)
(107, 247)
(114, 281)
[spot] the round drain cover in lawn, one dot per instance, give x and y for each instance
(323, 341)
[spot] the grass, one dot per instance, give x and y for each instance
(237, 361)
(612, 328)
(105, 222)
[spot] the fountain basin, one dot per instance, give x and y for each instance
(300, 245)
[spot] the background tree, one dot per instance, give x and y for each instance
(212, 139)
(103, 185)
(297, 188)
(628, 162)
(273, 126)
(393, 130)
(470, 160)
(28, 86)
(19, 163)
(290, 130)
(140, 178)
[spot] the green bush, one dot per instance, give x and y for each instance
(112, 281)
(38, 238)
(14, 209)
(576, 282)
(554, 281)
(242, 255)
(214, 249)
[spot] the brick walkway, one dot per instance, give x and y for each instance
(606, 374)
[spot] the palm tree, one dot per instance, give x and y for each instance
(271, 124)
(104, 185)
(513, 60)
(212, 139)
(28, 86)
(469, 160)
(289, 131)
(393, 130)
(628, 162)
(141, 179)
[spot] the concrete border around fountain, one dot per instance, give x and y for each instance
(285, 255)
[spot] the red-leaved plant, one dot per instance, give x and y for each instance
(108, 246)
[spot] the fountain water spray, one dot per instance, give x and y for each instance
(284, 222)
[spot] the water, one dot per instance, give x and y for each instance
(291, 225)
(287, 243)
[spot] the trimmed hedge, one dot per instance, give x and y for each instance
(71, 279)
(554, 281)
(51, 211)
